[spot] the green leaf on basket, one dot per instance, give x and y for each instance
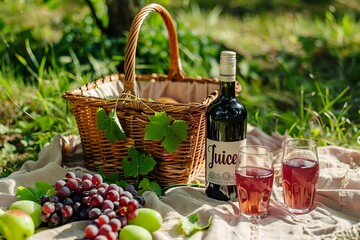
(138, 165)
(101, 118)
(145, 184)
(34, 193)
(180, 128)
(110, 124)
(159, 128)
(190, 224)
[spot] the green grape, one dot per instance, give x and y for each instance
(133, 232)
(147, 218)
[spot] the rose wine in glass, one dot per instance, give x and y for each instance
(254, 189)
(300, 172)
(254, 180)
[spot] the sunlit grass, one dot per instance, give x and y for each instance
(293, 69)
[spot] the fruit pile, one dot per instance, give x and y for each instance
(115, 212)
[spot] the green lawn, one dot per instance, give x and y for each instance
(298, 64)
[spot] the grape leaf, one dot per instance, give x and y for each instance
(110, 124)
(159, 128)
(138, 165)
(27, 193)
(35, 193)
(180, 128)
(43, 187)
(156, 128)
(170, 142)
(190, 224)
(145, 184)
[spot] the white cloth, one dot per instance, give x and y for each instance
(337, 211)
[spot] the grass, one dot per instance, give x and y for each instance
(295, 69)
(298, 70)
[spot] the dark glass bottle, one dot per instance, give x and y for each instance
(226, 121)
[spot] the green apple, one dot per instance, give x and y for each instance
(1, 212)
(134, 232)
(16, 225)
(30, 207)
(148, 218)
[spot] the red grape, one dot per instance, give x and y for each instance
(67, 211)
(92, 192)
(44, 199)
(103, 185)
(58, 184)
(113, 195)
(115, 224)
(97, 179)
(105, 229)
(132, 205)
(132, 215)
(124, 200)
(113, 186)
(72, 184)
(87, 185)
(70, 175)
(55, 220)
(91, 231)
(86, 176)
(110, 213)
(44, 217)
(107, 204)
(120, 190)
(102, 192)
(94, 213)
(103, 219)
(127, 194)
(123, 221)
(58, 206)
(112, 236)
(96, 200)
(53, 199)
(48, 208)
(64, 192)
(100, 237)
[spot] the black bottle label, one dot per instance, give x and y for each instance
(221, 160)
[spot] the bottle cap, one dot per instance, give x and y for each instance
(227, 66)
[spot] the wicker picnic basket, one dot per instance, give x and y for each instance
(193, 96)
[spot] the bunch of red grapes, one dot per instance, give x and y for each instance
(89, 198)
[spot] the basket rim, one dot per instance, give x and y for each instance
(119, 77)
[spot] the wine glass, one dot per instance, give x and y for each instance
(300, 173)
(254, 180)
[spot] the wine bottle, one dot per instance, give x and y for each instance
(226, 121)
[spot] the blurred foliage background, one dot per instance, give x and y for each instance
(298, 63)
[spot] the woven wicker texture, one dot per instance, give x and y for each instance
(182, 166)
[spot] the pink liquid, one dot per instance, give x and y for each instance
(254, 187)
(299, 183)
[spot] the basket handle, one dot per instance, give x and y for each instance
(175, 71)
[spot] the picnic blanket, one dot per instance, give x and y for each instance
(336, 214)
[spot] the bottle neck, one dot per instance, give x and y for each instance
(227, 73)
(227, 89)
